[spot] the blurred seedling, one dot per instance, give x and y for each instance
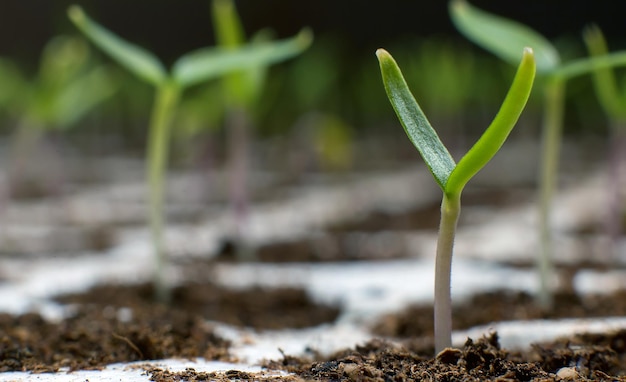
(613, 100)
(191, 69)
(452, 177)
(505, 38)
(242, 91)
(68, 85)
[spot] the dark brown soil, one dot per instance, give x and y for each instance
(118, 323)
(121, 324)
(598, 357)
(96, 336)
(581, 358)
(417, 320)
(257, 308)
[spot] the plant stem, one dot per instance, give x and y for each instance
(616, 168)
(450, 210)
(238, 140)
(162, 115)
(554, 100)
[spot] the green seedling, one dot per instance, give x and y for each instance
(67, 86)
(613, 101)
(242, 90)
(505, 38)
(191, 69)
(452, 177)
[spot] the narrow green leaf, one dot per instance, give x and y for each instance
(229, 34)
(604, 80)
(493, 138)
(132, 57)
(415, 123)
(503, 37)
(79, 97)
(207, 63)
(587, 65)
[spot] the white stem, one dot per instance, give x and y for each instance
(450, 210)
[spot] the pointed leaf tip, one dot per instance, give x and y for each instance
(414, 121)
(494, 136)
(75, 13)
(305, 36)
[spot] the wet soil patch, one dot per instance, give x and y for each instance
(417, 320)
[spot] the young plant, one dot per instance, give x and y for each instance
(613, 101)
(242, 91)
(504, 38)
(191, 69)
(452, 177)
(68, 85)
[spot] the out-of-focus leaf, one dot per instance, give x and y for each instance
(81, 96)
(62, 58)
(132, 57)
(208, 63)
(503, 37)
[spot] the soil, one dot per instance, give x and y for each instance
(120, 323)
(582, 358)
(417, 320)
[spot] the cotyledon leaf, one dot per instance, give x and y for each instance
(206, 63)
(132, 57)
(493, 138)
(501, 36)
(415, 123)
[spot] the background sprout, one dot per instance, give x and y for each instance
(506, 38)
(242, 90)
(67, 86)
(191, 69)
(452, 177)
(613, 101)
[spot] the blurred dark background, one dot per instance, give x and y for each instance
(171, 28)
(459, 85)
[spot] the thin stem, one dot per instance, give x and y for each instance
(162, 114)
(450, 210)
(554, 99)
(617, 163)
(238, 136)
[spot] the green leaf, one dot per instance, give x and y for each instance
(415, 123)
(80, 96)
(134, 58)
(604, 80)
(587, 65)
(229, 34)
(503, 37)
(207, 63)
(495, 135)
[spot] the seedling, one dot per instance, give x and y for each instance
(504, 38)
(191, 69)
(242, 90)
(67, 86)
(613, 101)
(452, 177)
